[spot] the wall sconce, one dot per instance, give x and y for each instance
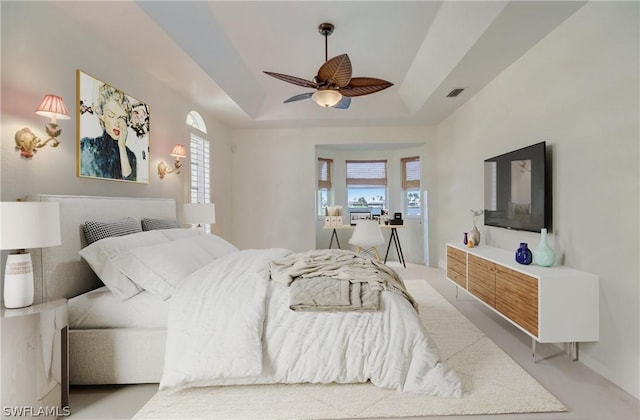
(178, 152)
(52, 106)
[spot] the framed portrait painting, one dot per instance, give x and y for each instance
(113, 132)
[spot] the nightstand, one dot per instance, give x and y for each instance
(35, 361)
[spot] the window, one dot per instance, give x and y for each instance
(200, 182)
(200, 161)
(323, 174)
(367, 185)
(411, 185)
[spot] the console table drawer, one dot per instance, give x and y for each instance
(456, 255)
(457, 266)
(482, 279)
(517, 298)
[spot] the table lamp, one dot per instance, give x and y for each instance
(199, 214)
(25, 225)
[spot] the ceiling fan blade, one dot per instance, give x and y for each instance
(359, 86)
(336, 70)
(299, 97)
(344, 103)
(293, 79)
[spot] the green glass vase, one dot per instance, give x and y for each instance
(543, 254)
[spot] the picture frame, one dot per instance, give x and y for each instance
(113, 132)
(354, 216)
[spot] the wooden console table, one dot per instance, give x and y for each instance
(550, 304)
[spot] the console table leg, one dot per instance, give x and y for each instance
(574, 350)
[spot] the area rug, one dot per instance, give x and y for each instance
(493, 383)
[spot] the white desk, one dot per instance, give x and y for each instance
(394, 237)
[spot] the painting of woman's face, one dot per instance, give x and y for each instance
(114, 119)
(113, 132)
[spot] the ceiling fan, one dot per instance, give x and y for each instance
(334, 85)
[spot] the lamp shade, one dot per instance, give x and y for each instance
(53, 106)
(29, 225)
(179, 151)
(199, 214)
(327, 97)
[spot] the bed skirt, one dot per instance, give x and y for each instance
(116, 356)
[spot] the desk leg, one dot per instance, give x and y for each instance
(394, 231)
(334, 235)
(396, 242)
(388, 246)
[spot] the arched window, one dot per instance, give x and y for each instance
(200, 160)
(194, 119)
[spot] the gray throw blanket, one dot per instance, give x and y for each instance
(330, 268)
(324, 294)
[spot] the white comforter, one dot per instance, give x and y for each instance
(229, 324)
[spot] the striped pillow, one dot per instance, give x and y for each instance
(94, 231)
(155, 224)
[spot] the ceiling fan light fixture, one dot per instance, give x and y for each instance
(326, 98)
(334, 83)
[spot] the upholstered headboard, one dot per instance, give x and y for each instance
(60, 270)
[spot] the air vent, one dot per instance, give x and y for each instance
(455, 92)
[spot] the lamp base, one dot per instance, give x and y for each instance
(18, 281)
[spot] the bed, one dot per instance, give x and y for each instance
(98, 355)
(183, 309)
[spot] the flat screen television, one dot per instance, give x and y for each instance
(517, 190)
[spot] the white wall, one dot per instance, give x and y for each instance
(41, 50)
(274, 179)
(578, 90)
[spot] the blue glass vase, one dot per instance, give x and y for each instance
(523, 254)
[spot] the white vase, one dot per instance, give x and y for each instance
(18, 281)
(544, 255)
(474, 236)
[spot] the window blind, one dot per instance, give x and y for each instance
(367, 172)
(410, 172)
(323, 172)
(200, 181)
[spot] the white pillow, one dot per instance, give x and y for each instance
(160, 268)
(180, 233)
(101, 255)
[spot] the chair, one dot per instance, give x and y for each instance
(366, 236)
